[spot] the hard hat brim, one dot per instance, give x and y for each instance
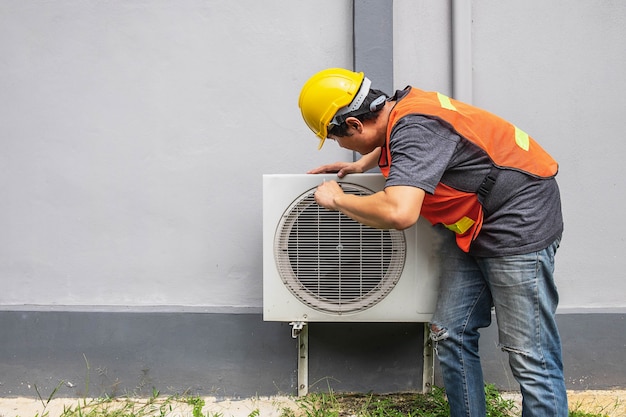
(322, 140)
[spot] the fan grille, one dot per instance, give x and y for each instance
(333, 263)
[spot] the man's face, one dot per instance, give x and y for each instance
(362, 137)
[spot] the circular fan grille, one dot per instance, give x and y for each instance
(333, 263)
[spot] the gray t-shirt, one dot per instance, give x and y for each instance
(522, 214)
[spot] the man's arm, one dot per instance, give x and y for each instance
(395, 207)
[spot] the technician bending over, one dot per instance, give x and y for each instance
(490, 189)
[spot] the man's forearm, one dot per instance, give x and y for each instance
(370, 160)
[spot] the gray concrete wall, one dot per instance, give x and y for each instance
(135, 135)
(134, 140)
(556, 70)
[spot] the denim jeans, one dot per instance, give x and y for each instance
(522, 290)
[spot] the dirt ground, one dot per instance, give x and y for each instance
(267, 407)
(610, 403)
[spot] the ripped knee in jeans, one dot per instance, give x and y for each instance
(438, 333)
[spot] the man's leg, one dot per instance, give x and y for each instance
(525, 298)
(463, 307)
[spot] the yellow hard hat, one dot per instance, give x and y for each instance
(328, 93)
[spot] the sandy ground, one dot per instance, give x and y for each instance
(607, 403)
(266, 407)
(610, 403)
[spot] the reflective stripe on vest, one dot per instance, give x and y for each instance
(522, 139)
(445, 102)
(461, 226)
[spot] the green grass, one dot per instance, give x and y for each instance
(404, 405)
(394, 405)
(576, 411)
(154, 406)
(329, 404)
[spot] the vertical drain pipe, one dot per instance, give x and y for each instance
(373, 41)
(372, 33)
(462, 81)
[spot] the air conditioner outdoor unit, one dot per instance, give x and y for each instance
(321, 266)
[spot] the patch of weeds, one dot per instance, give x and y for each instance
(434, 404)
(319, 405)
(577, 411)
(44, 412)
(154, 406)
(287, 412)
(197, 404)
(496, 405)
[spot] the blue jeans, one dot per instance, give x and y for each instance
(522, 290)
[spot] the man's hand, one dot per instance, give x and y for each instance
(326, 193)
(365, 163)
(341, 168)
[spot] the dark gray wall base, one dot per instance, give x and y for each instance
(239, 355)
(594, 352)
(228, 355)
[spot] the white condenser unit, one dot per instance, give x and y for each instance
(321, 266)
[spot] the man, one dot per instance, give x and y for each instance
(490, 190)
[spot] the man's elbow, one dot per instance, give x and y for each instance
(402, 222)
(403, 206)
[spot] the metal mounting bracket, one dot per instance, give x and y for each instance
(428, 373)
(300, 331)
(296, 328)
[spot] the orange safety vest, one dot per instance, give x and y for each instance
(507, 146)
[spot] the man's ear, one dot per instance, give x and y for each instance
(355, 124)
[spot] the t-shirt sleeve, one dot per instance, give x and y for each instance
(421, 149)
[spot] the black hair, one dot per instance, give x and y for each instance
(369, 110)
